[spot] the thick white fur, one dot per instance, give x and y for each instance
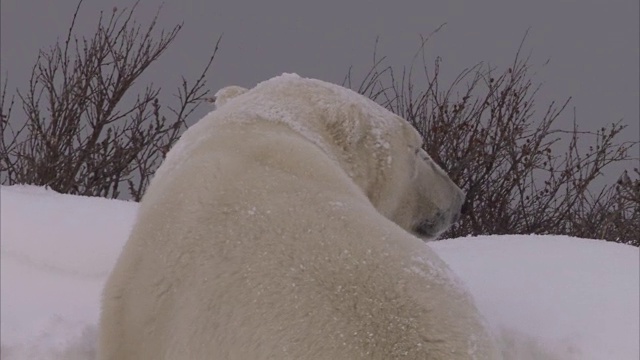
(279, 227)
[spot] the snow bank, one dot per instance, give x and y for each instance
(57, 251)
(575, 298)
(566, 298)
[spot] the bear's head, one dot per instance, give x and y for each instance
(380, 151)
(419, 194)
(384, 155)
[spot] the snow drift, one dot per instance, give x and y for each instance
(567, 298)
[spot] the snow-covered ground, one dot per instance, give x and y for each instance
(565, 297)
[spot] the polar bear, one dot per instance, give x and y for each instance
(287, 224)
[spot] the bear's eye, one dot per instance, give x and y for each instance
(423, 155)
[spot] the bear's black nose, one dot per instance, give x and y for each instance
(456, 217)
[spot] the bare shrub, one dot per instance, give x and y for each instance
(85, 132)
(612, 214)
(522, 175)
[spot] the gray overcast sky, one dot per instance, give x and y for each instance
(593, 46)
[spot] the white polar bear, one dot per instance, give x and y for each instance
(279, 227)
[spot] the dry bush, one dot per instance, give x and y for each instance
(86, 131)
(612, 214)
(522, 175)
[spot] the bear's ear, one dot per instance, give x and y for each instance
(227, 93)
(347, 127)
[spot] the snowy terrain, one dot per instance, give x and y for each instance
(568, 298)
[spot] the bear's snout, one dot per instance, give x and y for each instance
(461, 208)
(432, 227)
(456, 216)
(441, 220)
